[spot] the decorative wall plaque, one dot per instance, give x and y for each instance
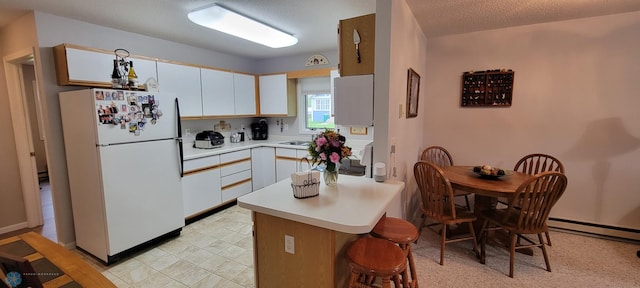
(487, 88)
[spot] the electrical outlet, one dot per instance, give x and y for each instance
(187, 132)
(286, 127)
(289, 244)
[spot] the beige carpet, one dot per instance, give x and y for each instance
(576, 261)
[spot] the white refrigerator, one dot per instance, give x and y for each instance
(124, 162)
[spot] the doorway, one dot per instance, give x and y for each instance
(27, 121)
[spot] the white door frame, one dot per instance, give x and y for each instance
(22, 133)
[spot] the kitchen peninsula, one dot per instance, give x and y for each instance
(317, 230)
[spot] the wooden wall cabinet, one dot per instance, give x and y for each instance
(487, 88)
(366, 27)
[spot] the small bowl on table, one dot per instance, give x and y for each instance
(493, 173)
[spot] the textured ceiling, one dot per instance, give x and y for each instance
(445, 17)
(312, 21)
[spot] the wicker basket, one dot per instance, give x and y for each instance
(306, 190)
(306, 185)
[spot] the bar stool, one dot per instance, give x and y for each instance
(373, 257)
(401, 232)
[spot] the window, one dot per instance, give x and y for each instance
(315, 104)
(318, 111)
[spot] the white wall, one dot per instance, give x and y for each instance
(12, 207)
(400, 45)
(575, 97)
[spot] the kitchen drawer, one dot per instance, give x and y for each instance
(235, 178)
(300, 153)
(201, 163)
(228, 169)
(236, 191)
(286, 152)
(235, 156)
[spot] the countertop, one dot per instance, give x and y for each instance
(354, 206)
(192, 153)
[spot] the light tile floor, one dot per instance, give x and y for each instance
(213, 252)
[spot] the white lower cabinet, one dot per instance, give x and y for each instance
(235, 174)
(201, 185)
(288, 161)
(212, 181)
(263, 164)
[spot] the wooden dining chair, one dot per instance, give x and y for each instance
(526, 213)
(533, 164)
(10, 264)
(435, 190)
(441, 157)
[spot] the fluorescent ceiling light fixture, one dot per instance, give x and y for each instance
(218, 18)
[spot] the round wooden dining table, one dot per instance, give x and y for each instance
(463, 178)
(486, 190)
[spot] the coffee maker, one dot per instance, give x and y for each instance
(260, 130)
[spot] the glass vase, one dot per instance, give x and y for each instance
(330, 178)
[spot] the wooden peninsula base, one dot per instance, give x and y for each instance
(322, 228)
(318, 259)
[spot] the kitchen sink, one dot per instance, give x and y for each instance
(297, 143)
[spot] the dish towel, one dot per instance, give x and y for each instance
(365, 154)
(302, 178)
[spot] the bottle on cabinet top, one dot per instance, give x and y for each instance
(132, 77)
(115, 75)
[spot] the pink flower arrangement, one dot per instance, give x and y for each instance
(328, 147)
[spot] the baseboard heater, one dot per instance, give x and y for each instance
(597, 229)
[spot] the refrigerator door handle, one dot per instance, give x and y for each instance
(179, 139)
(181, 157)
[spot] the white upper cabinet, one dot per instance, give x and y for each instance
(99, 70)
(225, 93)
(184, 81)
(332, 76)
(72, 66)
(145, 69)
(217, 92)
(354, 100)
(245, 94)
(277, 95)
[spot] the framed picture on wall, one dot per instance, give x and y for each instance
(413, 93)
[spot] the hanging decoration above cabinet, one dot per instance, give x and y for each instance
(123, 75)
(317, 60)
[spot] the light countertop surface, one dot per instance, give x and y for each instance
(192, 153)
(354, 206)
